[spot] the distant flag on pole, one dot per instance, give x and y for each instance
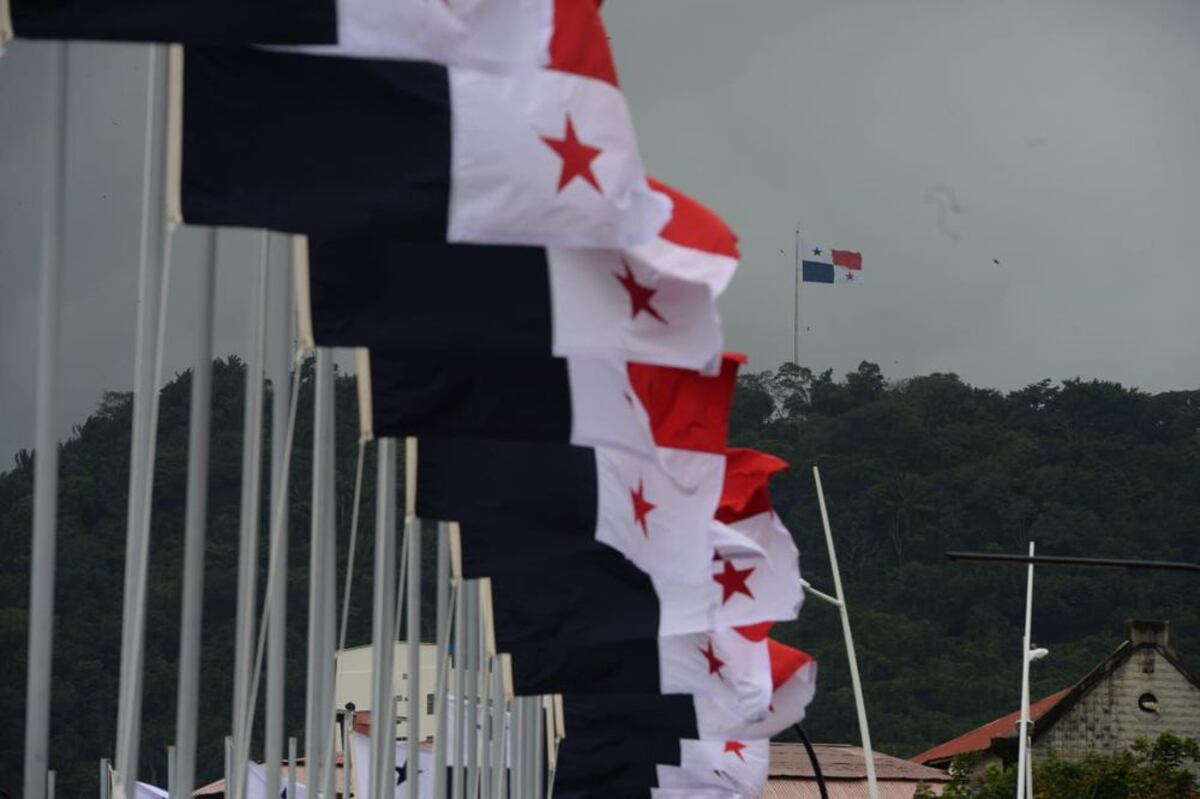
(826, 265)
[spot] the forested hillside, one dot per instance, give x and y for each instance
(911, 469)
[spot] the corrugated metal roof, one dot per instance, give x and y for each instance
(980, 738)
(846, 762)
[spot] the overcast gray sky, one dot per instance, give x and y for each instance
(1058, 136)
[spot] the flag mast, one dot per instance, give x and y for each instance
(796, 305)
(840, 602)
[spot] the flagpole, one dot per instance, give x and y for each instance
(248, 522)
(518, 759)
(442, 620)
(291, 781)
(856, 682)
(500, 732)
(279, 366)
(796, 305)
(153, 281)
(383, 738)
(485, 726)
(316, 584)
(461, 591)
(414, 616)
(1026, 646)
(45, 464)
(471, 701)
(194, 532)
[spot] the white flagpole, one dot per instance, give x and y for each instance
(314, 720)
(1023, 732)
(796, 305)
(279, 364)
(539, 735)
(153, 281)
(856, 682)
(461, 592)
(500, 733)
(442, 620)
(486, 727)
(329, 619)
(248, 523)
(194, 530)
(518, 744)
(105, 779)
(472, 693)
(291, 779)
(45, 465)
(383, 737)
(414, 615)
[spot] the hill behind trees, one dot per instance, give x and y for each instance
(911, 468)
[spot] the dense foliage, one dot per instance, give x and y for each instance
(1162, 769)
(910, 469)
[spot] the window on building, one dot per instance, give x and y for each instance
(1148, 703)
(429, 704)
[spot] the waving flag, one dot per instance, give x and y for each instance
(656, 510)
(827, 265)
(684, 717)
(305, 144)
(360, 748)
(740, 767)
(653, 303)
(497, 34)
(583, 401)
(729, 667)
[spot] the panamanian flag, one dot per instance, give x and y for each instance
(827, 265)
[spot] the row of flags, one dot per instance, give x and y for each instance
(472, 215)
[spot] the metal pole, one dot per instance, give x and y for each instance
(228, 763)
(536, 745)
(471, 700)
(105, 779)
(442, 620)
(347, 757)
(314, 721)
(1066, 560)
(248, 523)
(291, 780)
(1023, 733)
(856, 682)
(796, 306)
(486, 726)
(328, 714)
(51, 779)
(414, 616)
(515, 744)
(154, 265)
(279, 364)
(383, 737)
(170, 769)
(499, 759)
(45, 464)
(460, 689)
(194, 531)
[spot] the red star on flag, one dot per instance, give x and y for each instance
(736, 748)
(715, 664)
(576, 156)
(639, 294)
(641, 507)
(733, 581)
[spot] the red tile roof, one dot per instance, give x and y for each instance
(980, 738)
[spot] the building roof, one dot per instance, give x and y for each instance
(1140, 634)
(981, 737)
(844, 762)
(845, 771)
